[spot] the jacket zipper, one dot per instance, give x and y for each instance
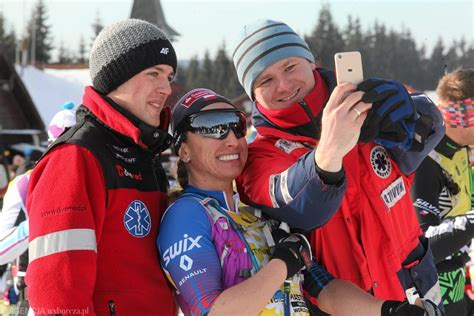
(112, 308)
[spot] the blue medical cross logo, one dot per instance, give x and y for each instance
(137, 219)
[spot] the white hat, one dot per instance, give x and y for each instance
(61, 120)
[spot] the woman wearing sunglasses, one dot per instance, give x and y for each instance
(226, 259)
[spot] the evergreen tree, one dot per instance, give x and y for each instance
(406, 60)
(466, 54)
(64, 55)
(325, 40)
(378, 58)
(192, 74)
(39, 35)
(451, 58)
(180, 76)
(97, 26)
(226, 82)
(353, 37)
(206, 78)
(222, 71)
(468, 58)
(7, 41)
(423, 83)
(436, 65)
(81, 56)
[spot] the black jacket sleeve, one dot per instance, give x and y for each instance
(448, 235)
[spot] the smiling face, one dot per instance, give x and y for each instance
(144, 95)
(214, 163)
(283, 83)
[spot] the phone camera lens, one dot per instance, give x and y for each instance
(339, 56)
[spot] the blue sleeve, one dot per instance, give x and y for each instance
(304, 201)
(288, 183)
(408, 161)
(188, 255)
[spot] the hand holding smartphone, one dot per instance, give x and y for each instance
(348, 67)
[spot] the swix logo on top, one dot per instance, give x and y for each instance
(200, 94)
(180, 248)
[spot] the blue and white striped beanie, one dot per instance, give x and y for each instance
(261, 44)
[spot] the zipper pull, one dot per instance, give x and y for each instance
(112, 308)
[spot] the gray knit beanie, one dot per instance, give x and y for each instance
(126, 48)
(261, 44)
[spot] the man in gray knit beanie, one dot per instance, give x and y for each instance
(124, 49)
(96, 197)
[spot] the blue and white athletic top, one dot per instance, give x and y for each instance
(191, 259)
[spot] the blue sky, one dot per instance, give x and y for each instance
(207, 24)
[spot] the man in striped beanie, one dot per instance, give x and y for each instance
(95, 199)
(365, 140)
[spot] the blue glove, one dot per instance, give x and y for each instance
(391, 121)
(315, 280)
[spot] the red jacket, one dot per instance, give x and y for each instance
(375, 228)
(95, 204)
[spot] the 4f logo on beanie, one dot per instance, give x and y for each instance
(165, 51)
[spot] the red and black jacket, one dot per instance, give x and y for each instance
(373, 238)
(95, 203)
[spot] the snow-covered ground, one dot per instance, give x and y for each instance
(51, 88)
(77, 76)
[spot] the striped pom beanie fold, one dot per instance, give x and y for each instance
(126, 48)
(263, 43)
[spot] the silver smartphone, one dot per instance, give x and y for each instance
(349, 67)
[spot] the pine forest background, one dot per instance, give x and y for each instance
(386, 53)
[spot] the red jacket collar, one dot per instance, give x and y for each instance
(109, 116)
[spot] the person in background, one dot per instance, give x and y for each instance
(96, 197)
(14, 218)
(375, 134)
(3, 177)
(227, 259)
(442, 189)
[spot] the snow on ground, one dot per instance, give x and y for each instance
(80, 76)
(50, 89)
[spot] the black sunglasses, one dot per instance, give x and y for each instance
(215, 123)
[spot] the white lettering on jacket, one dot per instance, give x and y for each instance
(180, 247)
(287, 146)
(426, 206)
(394, 192)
